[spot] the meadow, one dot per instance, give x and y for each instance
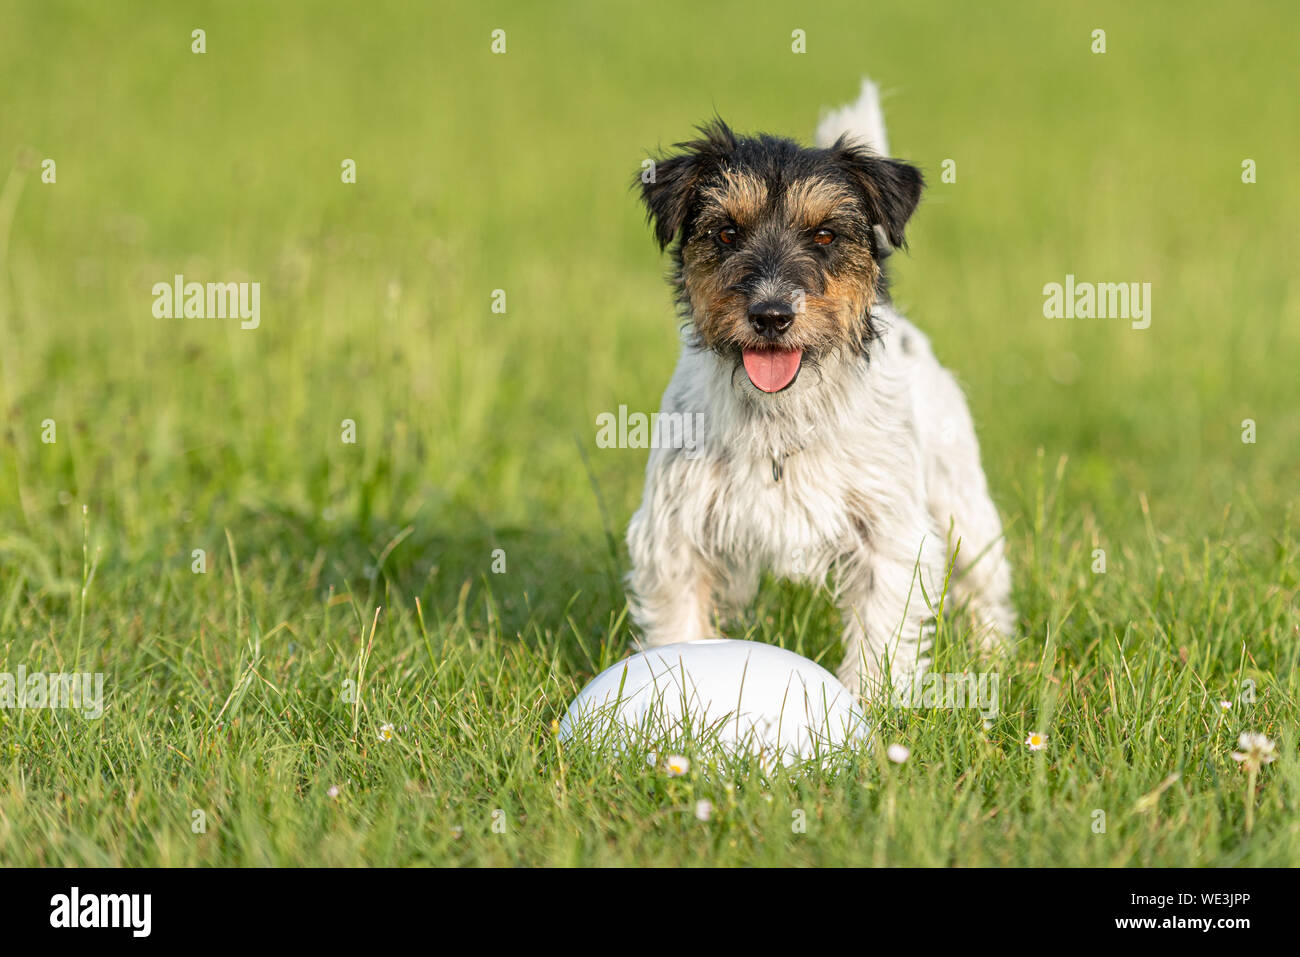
(318, 651)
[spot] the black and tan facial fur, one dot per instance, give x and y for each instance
(779, 246)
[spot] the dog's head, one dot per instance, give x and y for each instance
(778, 246)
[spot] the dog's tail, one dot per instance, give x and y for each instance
(862, 121)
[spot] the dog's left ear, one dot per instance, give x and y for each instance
(890, 188)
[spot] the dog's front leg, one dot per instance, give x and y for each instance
(888, 625)
(670, 586)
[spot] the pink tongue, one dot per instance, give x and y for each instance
(772, 369)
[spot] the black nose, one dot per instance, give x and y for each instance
(771, 318)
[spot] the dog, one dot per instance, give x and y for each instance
(833, 443)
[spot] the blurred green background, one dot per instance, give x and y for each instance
(479, 172)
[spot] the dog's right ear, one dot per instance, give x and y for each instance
(668, 184)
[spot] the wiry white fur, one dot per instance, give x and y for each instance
(880, 479)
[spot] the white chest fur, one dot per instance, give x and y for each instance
(791, 482)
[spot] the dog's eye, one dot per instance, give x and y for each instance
(823, 237)
(727, 236)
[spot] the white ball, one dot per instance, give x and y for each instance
(743, 696)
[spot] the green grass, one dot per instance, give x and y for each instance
(226, 692)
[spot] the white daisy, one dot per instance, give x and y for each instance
(676, 765)
(1256, 749)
